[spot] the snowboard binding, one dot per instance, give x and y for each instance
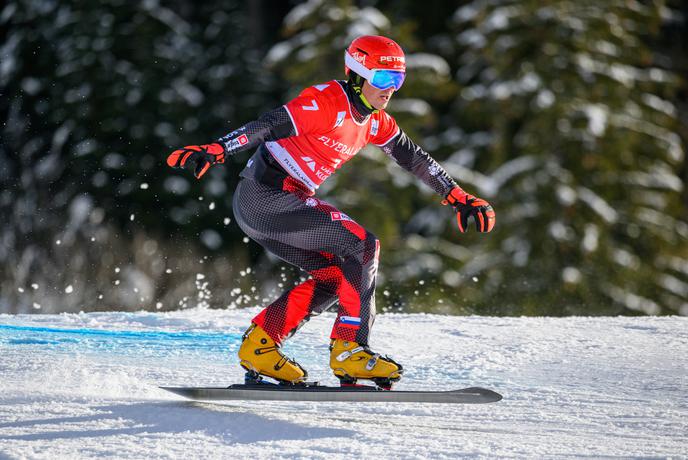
(254, 378)
(383, 383)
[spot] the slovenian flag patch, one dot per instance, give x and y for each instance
(350, 320)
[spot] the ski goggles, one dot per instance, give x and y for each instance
(378, 78)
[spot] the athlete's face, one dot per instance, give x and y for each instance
(378, 98)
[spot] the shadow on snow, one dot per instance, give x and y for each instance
(231, 424)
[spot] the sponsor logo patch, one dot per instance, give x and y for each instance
(311, 202)
(337, 215)
(236, 143)
(373, 127)
(340, 119)
(360, 57)
(310, 162)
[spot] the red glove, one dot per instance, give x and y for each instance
(197, 157)
(467, 206)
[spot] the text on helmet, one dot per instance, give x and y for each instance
(392, 59)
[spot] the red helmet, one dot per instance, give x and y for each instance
(378, 59)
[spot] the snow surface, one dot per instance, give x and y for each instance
(85, 385)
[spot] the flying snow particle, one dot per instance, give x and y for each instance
(571, 275)
(37, 306)
(144, 186)
(227, 220)
(20, 289)
(475, 279)
(58, 242)
(158, 305)
(169, 270)
(69, 289)
(131, 218)
(245, 239)
(200, 276)
(116, 269)
(34, 286)
(211, 206)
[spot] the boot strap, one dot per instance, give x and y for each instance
(280, 364)
(264, 350)
(343, 356)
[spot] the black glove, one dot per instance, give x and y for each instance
(467, 206)
(197, 158)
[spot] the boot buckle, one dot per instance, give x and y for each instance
(343, 356)
(372, 362)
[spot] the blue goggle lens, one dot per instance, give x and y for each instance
(383, 79)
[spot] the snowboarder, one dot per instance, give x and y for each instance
(299, 145)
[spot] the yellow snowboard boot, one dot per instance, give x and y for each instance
(260, 355)
(351, 361)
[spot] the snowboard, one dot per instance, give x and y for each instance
(322, 393)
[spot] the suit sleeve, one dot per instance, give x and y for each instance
(310, 112)
(419, 163)
(272, 125)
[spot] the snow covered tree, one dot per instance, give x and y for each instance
(94, 96)
(568, 127)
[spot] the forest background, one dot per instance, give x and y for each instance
(570, 117)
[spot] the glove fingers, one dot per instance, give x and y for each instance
(491, 219)
(480, 221)
(178, 158)
(202, 166)
(485, 219)
(462, 221)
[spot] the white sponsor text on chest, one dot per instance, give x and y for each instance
(337, 146)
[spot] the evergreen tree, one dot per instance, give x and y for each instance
(580, 154)
(94, 96)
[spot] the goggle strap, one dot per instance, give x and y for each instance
(357, 67)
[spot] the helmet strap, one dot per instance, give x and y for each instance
(356, 83)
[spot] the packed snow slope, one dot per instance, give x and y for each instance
(86, 385)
